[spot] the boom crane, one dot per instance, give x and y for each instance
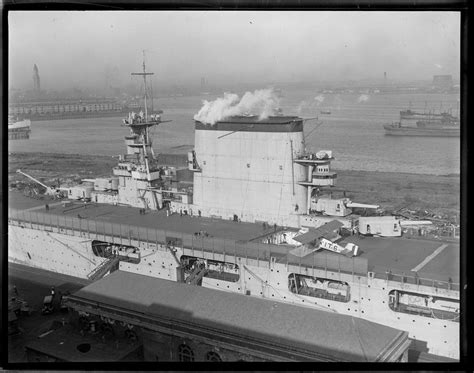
(49, 191)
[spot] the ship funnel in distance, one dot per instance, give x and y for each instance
(261, 102)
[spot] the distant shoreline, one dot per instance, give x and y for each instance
(181, 161)
(391, 190)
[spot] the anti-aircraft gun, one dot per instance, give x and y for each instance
(337, 207)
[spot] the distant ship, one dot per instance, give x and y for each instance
(18, 129)
(428, 124)
(325, 112)
(398, 129)
(410, 114)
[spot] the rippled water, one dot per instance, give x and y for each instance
(353, 131)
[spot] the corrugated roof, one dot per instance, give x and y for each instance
(338, 335)
(327, 231)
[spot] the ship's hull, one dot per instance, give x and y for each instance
(394, 130)
(70, 252)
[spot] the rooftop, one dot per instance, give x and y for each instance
(256, 119)
(342, 337)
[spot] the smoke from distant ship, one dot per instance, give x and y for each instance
(262, 102)
(319, 99)
(363, 98)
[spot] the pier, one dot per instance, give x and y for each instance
(66, 109)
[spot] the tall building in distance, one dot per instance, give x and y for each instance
(36, 79)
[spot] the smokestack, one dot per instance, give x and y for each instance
(36, 79)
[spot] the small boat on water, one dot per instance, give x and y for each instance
(18, 129)
(327, 112)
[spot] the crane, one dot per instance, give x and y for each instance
(49, 191)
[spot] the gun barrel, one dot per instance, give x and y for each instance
(362, 205)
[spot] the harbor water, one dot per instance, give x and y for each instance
(353, 131)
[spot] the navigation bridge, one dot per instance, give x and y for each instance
(318, 172)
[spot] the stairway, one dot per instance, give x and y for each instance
(196, 275)
(103, 268)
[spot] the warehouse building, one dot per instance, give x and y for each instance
(177, 322)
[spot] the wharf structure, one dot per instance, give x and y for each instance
(179, 322)
(63, 109)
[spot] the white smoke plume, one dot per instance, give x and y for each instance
(262, 102)
(319, 99)
(300, 107)
(363, 98)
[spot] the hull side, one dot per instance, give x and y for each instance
(405, 131)
(72, 255)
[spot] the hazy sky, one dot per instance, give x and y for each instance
(76, 47)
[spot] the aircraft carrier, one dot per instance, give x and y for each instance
(246, 226)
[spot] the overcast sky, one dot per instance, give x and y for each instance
(76, 48)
